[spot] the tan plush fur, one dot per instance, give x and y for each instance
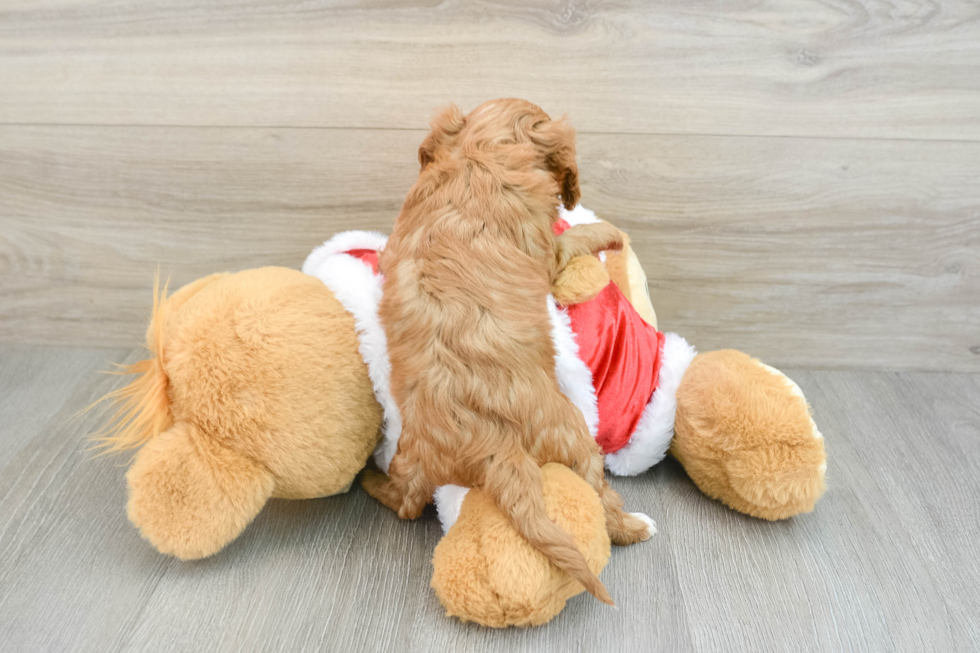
(266, 396)
(639, 290)
(585, 276)
(582, 279)
(485, 572)
(618, 270)
(627, 273)
(741, 434)
(746, 439)
(143, 405)
(468, 268)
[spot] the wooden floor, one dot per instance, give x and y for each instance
(887, 562)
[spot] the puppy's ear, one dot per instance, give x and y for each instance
(556, 139)
(446, 123)
(427, 151)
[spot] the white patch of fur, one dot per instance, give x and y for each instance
(796, 392)
(650, 440)
(358, 289)
(578, 215)
(574, 376)
(651, 525)
(449, 501)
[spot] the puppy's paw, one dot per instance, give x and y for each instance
(608, 237)
(651, 525)
(381, 488)
(634, 527)
(586, 239)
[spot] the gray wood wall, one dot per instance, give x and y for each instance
(801, 179)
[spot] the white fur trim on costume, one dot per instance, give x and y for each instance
(358, 289)
(449, 501)
(651, 438)
(345, 241)
(574, 376)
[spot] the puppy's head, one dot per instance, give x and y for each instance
(500, 125)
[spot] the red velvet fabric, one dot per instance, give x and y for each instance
(560, 226)
(624, 354)
(622, 351)
(366, 256)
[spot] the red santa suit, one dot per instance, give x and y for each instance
(618, 370)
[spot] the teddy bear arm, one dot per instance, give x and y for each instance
(579, 274)
(744, 435)
(584, 277)
(581, 280)
(189, 496)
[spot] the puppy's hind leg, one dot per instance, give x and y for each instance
(569, 442)
(624, 528)
(382, 488)
(404, 490)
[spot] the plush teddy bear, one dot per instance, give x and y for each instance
(743, 432)
(255, 389)
(757, 448)
(484, 571)
(274, 383)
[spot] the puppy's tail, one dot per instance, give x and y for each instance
(514, 483)
(142, 407)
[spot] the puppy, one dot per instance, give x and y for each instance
(468, 269)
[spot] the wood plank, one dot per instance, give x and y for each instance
(815, 252)
(884, 563)
(73, 573)
(802, 67)
(32, 389)
(806, 252)
(919, 439)
(345, 573)
(846, 577)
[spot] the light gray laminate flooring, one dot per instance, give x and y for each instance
(886, 562)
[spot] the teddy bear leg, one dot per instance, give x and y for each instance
(624, 528)
(485, 571)
(189, 496)
(744, 435)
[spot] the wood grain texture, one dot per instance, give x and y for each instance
(920, 444)
(857, 68)
(70, 575)
(885, 563)
(813, 252)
